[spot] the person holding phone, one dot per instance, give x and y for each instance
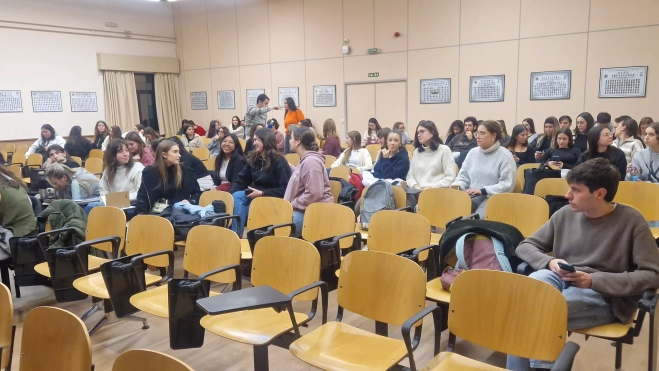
(565, 155)
(266, 174)
(545, 140)
(519, 146)
(604, 256)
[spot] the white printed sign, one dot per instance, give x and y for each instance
(486, 88)
(623, 82)
(47, 101)
(324, 96)
(83, 102)
(226, 99)
(198, 100)
(10, 101)
(434, 91)
(252, 94)
(289, 92)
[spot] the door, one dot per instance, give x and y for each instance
(361, 106)
(386, 101)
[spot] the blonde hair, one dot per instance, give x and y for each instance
(160, 164)
(57, 170)
(329, 129)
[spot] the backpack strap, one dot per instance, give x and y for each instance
(498, 251)
(501, 255)
(460, 251)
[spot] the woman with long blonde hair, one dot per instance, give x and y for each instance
(355, 155)
(72, 184)
(332, 144)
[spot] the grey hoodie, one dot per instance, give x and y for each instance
(647, 163)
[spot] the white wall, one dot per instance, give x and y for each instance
(50, 59)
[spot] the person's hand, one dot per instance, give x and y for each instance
(515, 158)
(217, 137)
(385, 153)
(538, 155)
(469, 135)
(632, 169)
(255, 193)
(185, 201)
(416, 186)
(579, 279)
(557, 164)
(473, 192)
(553, 266)
(276, 108)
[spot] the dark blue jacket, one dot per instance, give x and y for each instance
(393, 167)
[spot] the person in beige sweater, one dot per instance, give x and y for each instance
(609, 245)
(432, 164)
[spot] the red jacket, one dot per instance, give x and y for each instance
(199, 130)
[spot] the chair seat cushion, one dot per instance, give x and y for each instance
(338, 346)
(94, 285)
(448, 361)
(610, 331)
(93, 263)
(655, 232)
(155, 301)
(435, 291)
(255, 327)
(245, 251)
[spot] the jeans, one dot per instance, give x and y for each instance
(92, 205)
(298, 219)
(585, 308)
(478, 204)
(241, 209)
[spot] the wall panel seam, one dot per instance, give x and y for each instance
(585, 77)
(519, 34)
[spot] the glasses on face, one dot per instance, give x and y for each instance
(606, 135)
(480, 134)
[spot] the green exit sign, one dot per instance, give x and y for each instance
(373, 50)
(374, 74)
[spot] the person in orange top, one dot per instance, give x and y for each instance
(293, 116)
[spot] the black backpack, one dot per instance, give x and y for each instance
(348, 191)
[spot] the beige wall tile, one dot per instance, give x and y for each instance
(223, 33)
(556, 17)
(253, 31)
(323, 31)
(609, 14)
(255, 77)
(198, 80)
(286, 30)
(433, 23)
(226, 79)
(288, 75)
(358, 25)
(326, 72)
(390, 66)
(194, 34)
(391, 17)
(485, 20)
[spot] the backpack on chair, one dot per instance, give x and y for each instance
(379, 196)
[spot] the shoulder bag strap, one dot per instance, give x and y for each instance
(460, 252)
(501, 255)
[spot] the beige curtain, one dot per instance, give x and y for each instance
(121, 100)
(167, 104)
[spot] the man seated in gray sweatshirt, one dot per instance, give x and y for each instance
(609, 245)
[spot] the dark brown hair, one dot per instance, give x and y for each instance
(110, 159)
(595, 174)
(306, 138)
(270, 154)
(493, 127)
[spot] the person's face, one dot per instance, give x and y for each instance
(235, 121)
(650, 138)
(148, 137)
(642, 128)
(172, 157)
(266, 102)
(606, 139)
(526, 125)
(294, 144)
(523, 137)
(565, 124)
(401, 128)
(56, 155)
(381, 141)
(123, 156)
(469, 126)
(133, 147)
(424, 135)
(618, 128)
(371, 126)
(456, 130)
(45, 133)
(59, 183)
(190, 130)
(393, 142)
(549, 129)
(581, 124)
(581, 199)
(217, 126)
(258, 144)
(228, 145)
(484, 138)
(562, 140)
(101, 127)
(286, 105)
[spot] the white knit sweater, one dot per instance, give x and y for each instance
(432, 169)
(123, 181)
(492, 169)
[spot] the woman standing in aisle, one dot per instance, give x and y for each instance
(292, 116)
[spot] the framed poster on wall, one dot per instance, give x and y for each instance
(198, 100)
(623, 82)
(435, 91)
(252, 94)
(10, 101)
(226, 99)
(551, 85)
(47, 101)
(324, 96)
(289, 92)
(83, 101)
(489, 88)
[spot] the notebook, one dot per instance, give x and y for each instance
(117, 199)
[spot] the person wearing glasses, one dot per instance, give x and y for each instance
(600, 142)
(488, 169)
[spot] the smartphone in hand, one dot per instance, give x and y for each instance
(566, 267)
(248, 192)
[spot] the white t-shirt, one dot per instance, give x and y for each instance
(354, 159)
(223, 171)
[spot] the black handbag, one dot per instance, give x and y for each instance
(533, 176)
(556, 203)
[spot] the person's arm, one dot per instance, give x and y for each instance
(197, 142)
(33, 148)
(365, 138)
(621, 164)
(534, 248)
(368, 161)
(211, 144)
(635, 148)
(637, 162)
(243, 179)
(337, 163)
(411, 174)
(136, 182)
(507, 177)
(462, 179)
(545, 156)
(143, 204)
(448, 169)
(282, 171)
(104, 187)
(253, 111)
(644, 276)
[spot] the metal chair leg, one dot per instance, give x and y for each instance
(94, 308)
(145, 324)
(261, 362)
(618, 355)
(99, 324)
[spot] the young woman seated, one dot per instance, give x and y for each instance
(266, 174)
(394, 161)
(201, 172)
(309, 182)
(382, 141)
(150, 135)
(371, 134)
(190, 139)
(249, 144)
(76, 145)
(115, 133)
(519, 146)
(237, 127)
(213, 128)
(215, 146)
(72, 184)
(166, 179)
(600, 142)
(432, 164)
(273, 125)
(544, 140)
(101, 131)
(332, 146)
(626, 131)
(138, 149)
(505, 137)
(58, 154)
(645, 165)
(529, 124)
(456, 128)
(565, 155)
(47, 139)
(228, 164)
(488, 169)
(400, 127)
(16, 216)
(585, 122)
(355, 155)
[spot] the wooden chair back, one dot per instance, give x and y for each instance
(150, 233)
(210, 164)
(206, 140)
(5, 156)
(393, 231)
(510, 313)
(329, 160)
(373, 150)
(54, 339)
(286, 264)
(18, 158)
(16, 169)
(343, 172)
(34, 160)
(269, 211)
(335, 187)
(551, 187)
(520, 172)
(243, 143)
(94, 165)
(292, 158)
(11, 148)
(208, 197)
(323, 220)
(95, 153)
(22, 148)
(209, 247)
(380, 286)
(77, 159)
(525, 212)
(410, 150)
(144, 359)
(641, 195)
(105, 221)
(6, 324)
(201, 153)
(441, 205)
